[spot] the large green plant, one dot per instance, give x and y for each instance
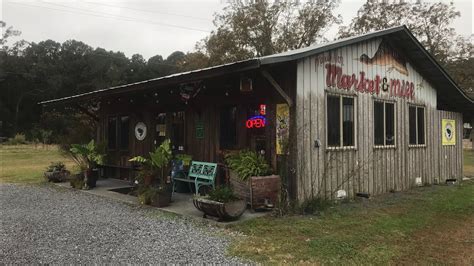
(158, 159)
(247, 163)
(87, 155)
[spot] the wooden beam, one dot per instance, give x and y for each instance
(277, 87)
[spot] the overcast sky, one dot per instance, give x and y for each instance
(146, 27)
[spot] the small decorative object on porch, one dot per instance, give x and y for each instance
(222, 203)
(185, 158)
(140, 131)
(87, 157)
(56, 172)
(154, 185)
(251, 180)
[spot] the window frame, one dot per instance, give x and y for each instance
(119, 131)
(116, 132)
(385, 102)
(416, 106)
(341, 96)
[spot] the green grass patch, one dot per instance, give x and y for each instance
(469, 162)
(381, 231)
(26, 163)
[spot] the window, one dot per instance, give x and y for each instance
(228, 127)
(384, 123)
(112, 133)
(416, 117)
(124, 132)
(177, 131)
(340, 121)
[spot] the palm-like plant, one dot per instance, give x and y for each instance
(159, 158)
(86, 156)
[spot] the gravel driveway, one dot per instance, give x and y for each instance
(41, 224)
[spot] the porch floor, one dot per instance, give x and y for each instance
(181, 203)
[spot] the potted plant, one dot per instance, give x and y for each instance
(222, 203)
(56, 172)
(154, 184)
(87, 157)
(251, 179)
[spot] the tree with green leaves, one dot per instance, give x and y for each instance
(260, 28)
(431, 23)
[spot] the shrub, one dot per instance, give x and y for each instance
(247, 163)
(17, 140)
(56, 166)
(222, 194)
(77, 182)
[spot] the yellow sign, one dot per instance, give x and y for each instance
(448, 132)
(282, 128)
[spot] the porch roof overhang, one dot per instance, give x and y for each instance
(450, 96)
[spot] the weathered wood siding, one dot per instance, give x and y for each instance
(322, 171)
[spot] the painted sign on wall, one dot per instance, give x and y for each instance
(282, 128)
(362, 82)
(448, 131)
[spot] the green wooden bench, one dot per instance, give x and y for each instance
(200, 173)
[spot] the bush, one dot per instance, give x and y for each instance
(247, 163)
(56, 166)
(222, 194)
(18, 139)
(77, 182)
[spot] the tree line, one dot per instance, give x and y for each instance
(32, 72)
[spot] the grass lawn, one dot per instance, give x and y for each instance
(469, 163)
(26, 163)
(424, 225)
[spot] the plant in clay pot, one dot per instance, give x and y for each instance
(154, 186)
(251, 179)
(56, 172)
(87, 157)
(222, 203)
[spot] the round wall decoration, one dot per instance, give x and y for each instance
(448, 130)
(140, 131)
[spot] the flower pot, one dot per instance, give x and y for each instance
(258, 191)
(161, 199)
(90, 178)
(56, 176)
(224, 211)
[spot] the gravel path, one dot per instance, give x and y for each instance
(41, 224)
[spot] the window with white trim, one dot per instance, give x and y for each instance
(384, 123)
(416, 125)
(340, 121)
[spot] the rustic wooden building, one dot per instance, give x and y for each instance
(368, 114)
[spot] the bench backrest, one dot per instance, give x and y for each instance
(203, 170)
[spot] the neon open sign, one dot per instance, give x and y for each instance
(257, 121)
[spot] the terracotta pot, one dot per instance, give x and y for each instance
(162, 199)
(148, 180)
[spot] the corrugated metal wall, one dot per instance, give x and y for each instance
(322, 171)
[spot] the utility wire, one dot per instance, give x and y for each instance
(110, 16)
(150, 11)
